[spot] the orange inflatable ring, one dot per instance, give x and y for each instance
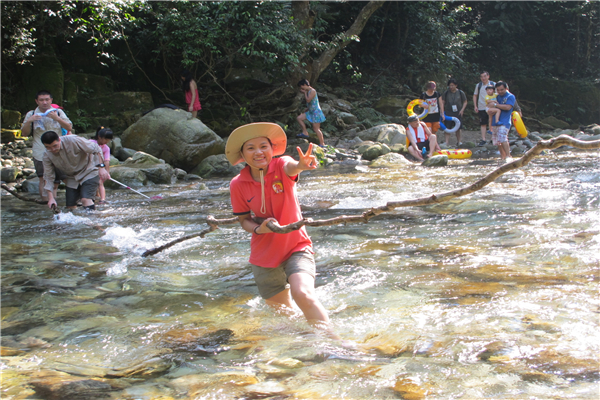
(455, 153)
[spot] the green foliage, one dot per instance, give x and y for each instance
(221, 35)
(28, 26)
(539, 39)
(81, 121)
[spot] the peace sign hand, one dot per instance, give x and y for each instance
(306, 161)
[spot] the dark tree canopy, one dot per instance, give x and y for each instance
(142, 45)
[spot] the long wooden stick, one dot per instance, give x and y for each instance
(18, 196)
(542, 145)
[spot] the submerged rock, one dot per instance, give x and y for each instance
(409, 390)
(129, 176)
(54, 385)
(217, 166)
(390, 160)
(436, 161)
(374, 151)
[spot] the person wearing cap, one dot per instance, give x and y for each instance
(283, 264)
(420, 137)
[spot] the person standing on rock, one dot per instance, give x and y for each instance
(190, 88)
(453, 104)
(283, 264)
(505, 101)
(80, 160)
(432, 100)
(312, 114)
(479, 104)
(44, 118)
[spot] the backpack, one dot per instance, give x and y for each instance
(463, 96)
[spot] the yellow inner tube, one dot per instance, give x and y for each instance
(417, 102)
(519, 125)
(455, 153)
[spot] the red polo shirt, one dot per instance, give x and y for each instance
(269, 250)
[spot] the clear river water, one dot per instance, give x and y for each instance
(494, 295)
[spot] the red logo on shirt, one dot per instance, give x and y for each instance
(278, 187)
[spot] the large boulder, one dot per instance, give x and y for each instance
(392, 134)
(392, 105)
(47, 73)
(555, 122)
(11, 119)
(217, 166)
(389, 134)
(174, 136)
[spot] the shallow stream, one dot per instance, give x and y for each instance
(493, 295)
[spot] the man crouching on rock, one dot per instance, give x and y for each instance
(81, 162)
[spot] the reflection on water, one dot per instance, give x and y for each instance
(494, 295)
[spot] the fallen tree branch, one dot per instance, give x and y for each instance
(542, 145)
(18, 196)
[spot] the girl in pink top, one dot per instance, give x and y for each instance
(103, 137)
(283, 264)
(191, 92)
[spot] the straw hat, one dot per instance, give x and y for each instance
(233, 148)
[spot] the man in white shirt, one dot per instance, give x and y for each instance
(479, 104)
(44, 118)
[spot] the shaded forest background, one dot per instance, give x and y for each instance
(247, 56)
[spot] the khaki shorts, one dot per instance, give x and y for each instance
(271, 281)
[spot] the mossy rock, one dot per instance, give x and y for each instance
(118, 102)
(46, 74)
(90, 85)
(11, 119)
(555, 122)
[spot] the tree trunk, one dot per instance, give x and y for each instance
(320, 64)
(304, 19)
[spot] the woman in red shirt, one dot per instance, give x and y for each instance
(283, 264)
